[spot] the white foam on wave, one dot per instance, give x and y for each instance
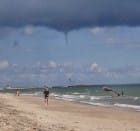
(66, 99)
(54, 94)
(69, 96)
(27, 94)
(136, 98)
(82, 96)
(76, 93)
(127, 106)
(100, 97)
(94, 98)
(132, 97)
(33, 94)
(96, 104)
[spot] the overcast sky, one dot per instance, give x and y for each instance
(63, 42)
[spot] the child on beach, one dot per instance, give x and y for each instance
(46, 95)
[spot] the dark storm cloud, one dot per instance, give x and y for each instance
(66, 15)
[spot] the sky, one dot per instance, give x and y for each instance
(62, 42)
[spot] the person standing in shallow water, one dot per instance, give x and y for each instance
(46, 95)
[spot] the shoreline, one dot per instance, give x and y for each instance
(100, 106)
(84, 103)
(62, 115)
(96, 105)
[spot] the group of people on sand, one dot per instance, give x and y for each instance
(46, 94)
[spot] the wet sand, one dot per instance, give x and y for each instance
(28, 113)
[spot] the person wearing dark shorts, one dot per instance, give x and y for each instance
(46, 95)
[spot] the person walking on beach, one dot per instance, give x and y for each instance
(46, 95)
(17, 92)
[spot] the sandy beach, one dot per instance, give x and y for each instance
(28, 113)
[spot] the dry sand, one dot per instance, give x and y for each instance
(28, 113)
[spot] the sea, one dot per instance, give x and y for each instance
(90, 94)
